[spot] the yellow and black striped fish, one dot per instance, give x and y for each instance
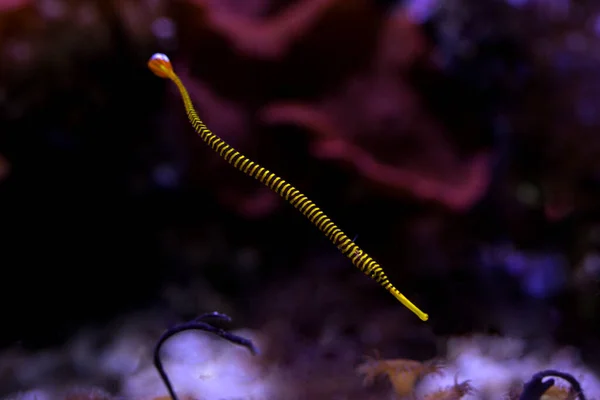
(160, 65)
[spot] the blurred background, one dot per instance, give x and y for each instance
(459, 139)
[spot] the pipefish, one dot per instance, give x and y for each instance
(161, 66)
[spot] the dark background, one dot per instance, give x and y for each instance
(109, 203)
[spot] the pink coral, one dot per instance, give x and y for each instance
(363, 114)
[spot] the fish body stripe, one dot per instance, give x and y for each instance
(278, 185)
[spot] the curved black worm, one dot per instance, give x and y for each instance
(200, 324)
(535, 388)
